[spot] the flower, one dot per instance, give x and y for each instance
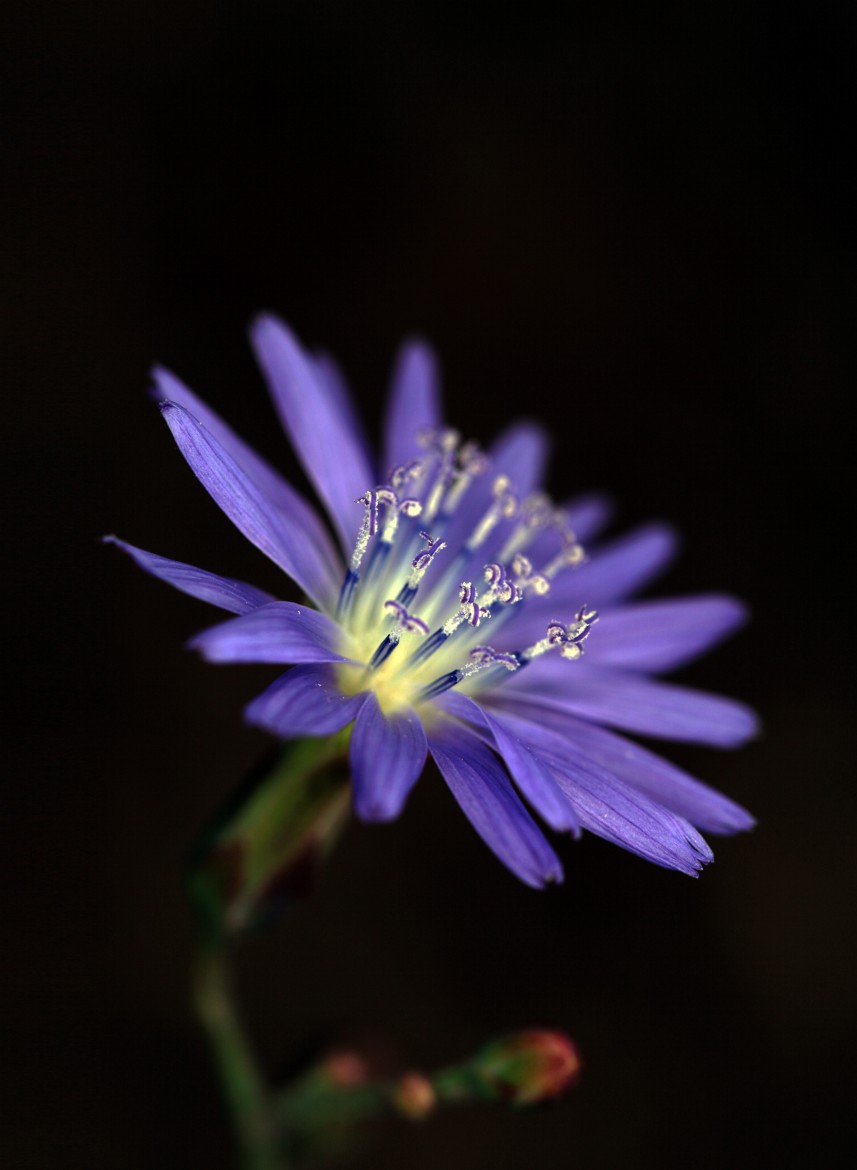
(450, 617)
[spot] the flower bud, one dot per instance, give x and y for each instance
(526, 1067)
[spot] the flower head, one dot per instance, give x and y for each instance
(457, 614)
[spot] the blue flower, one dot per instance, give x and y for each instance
(450, 617)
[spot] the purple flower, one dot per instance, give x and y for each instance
(450, 617)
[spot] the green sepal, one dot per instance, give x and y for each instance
(266, 847)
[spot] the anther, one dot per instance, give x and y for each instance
(567, 639)
(481, 658)
(419, 567)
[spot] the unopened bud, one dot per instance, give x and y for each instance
(527, 1067)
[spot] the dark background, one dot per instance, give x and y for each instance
(637, 223)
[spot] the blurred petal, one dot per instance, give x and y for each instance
(321, 559)
(650, 774)
(281, 633)
(328, 370)
(305, 701)
(617, 570)
(635, 703)
(415, 403)
(531, 776)
(387, 757)
(250, 510)
(587, 515)
(235, 596)
(521, 452)
(330, 453)
(481, 786)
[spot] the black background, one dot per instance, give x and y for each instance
(636, 223)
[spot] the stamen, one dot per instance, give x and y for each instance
(571, 555)
(472, 462)
(404, 623)
(419, 567)
(525, 578)
(445, 444)
(405, 473)
(373, 500)
(567, 639)
(481, 658)
(537, 512)
(504, 507)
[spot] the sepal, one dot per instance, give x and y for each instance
(265, 849)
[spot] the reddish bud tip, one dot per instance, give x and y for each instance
(346, 1070)
(531, 1066)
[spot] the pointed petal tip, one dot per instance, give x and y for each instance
(374, 814)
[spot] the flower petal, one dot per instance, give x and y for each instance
(234, 596)
(588, 514)
(521, 453)
(387, 756)
(481, 785)
(415, 403)
(531, 776)
(650, 774)
(636, 703)
(319, 560)
(280, 632)
(612, 809)
(304, 701)
(618, 569)
(663, 635)
(327, 369)
(263, 523)
(331, 456)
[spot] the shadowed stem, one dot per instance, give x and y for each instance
(244, 1086)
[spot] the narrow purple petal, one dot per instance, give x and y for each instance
(521, 453)
(327, 369)
(663, 635)
(481, 785)
(304, 701)
(330, 454)
(250, 510)
(234, 596)
(619, 569)
(320, 561)
(635, 703)
(280, 633)
(387, 756)
(612, 809)
(531, 776)
(589, 514)
(650, 774)
(415, 403)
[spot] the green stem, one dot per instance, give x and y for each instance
(245, 1089)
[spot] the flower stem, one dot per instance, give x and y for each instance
(244, 1086)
